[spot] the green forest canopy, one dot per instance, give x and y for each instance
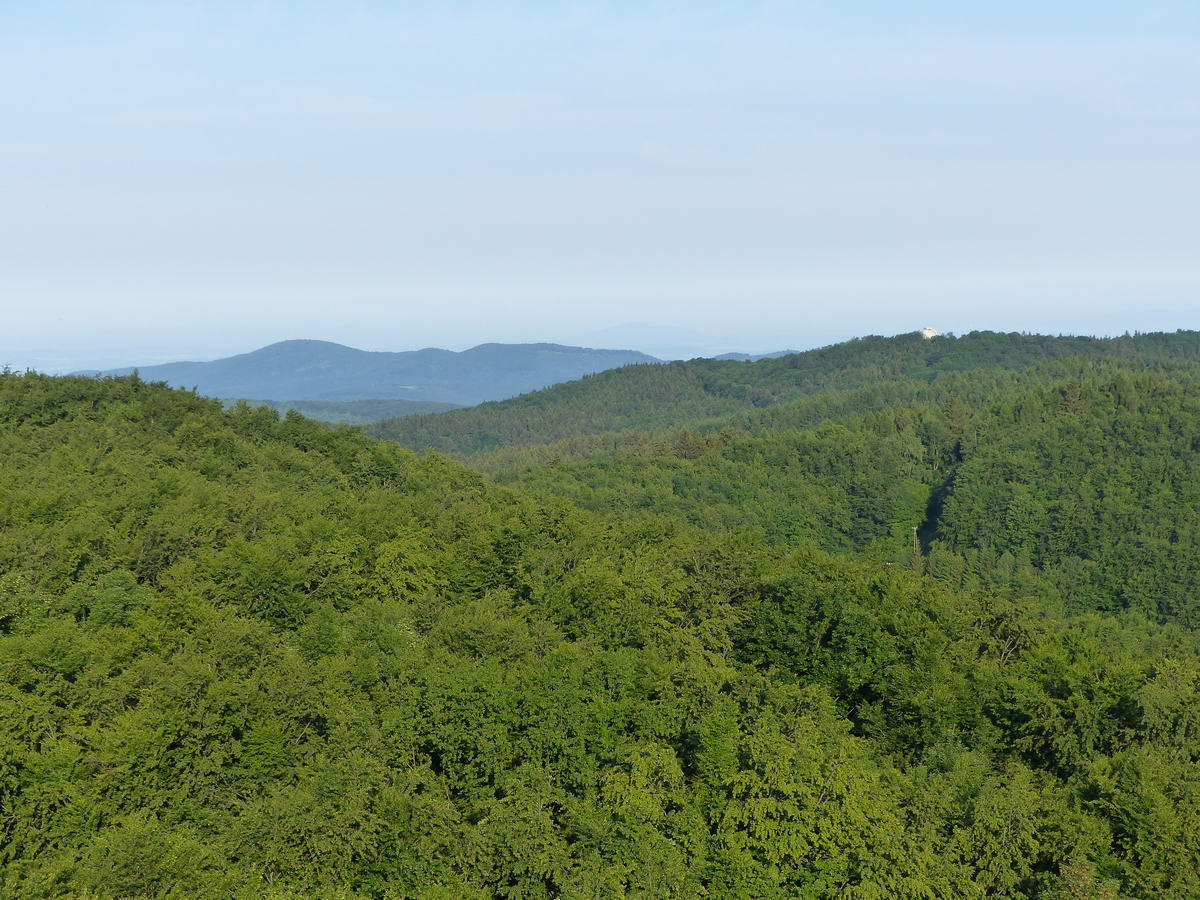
(255, 656)
(653, 397)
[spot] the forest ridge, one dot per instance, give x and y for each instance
(895, 618)
(640, 398)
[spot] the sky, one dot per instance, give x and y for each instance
(187, 180)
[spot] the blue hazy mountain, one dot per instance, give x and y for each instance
(670, 342)
(321, 370)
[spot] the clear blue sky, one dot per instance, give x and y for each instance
(194, 179)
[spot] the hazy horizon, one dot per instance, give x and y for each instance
(666, 344)
(189, 182)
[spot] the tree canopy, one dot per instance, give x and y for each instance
(900, 637)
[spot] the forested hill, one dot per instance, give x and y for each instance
(320, 370)
(648, 398)
(1076, 481)
(258, 657)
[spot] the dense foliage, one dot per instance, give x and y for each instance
(247, 655)
(1073, 482)
(656, 397)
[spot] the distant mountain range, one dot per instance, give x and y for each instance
(320, 370)
(671, 342)
(755, 357)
